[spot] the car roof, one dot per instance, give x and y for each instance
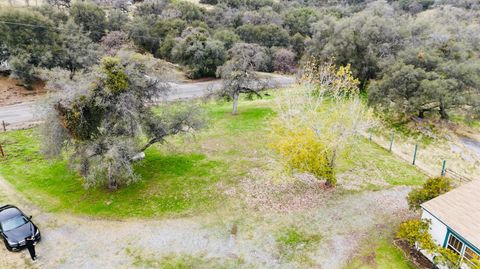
(7, 212)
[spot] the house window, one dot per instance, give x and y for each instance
(455, 244)
(471, 255)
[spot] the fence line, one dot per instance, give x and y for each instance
(457, 176)
(445, 171)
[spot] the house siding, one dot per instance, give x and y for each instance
(438, 230)
(440, 233)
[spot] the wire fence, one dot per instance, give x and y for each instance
(443, 169)
(431, 169)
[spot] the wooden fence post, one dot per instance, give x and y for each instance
(1, 151)
(4, 126)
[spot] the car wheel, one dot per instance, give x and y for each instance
(9, 248)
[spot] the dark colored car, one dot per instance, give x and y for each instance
(15, 227)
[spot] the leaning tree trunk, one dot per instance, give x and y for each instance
(235, 103)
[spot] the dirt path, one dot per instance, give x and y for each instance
(76, 242)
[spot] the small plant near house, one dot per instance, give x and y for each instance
(448, 258)
(432, 188)
(416, 233)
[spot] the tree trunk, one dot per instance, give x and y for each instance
(421, 113)
(332, 181)
(443, 113)
(235, 103)
(112, 183)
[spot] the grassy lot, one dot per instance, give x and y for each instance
(382, 254)
(373, 167)
(219, 174)
(176, 178)
(184, 175)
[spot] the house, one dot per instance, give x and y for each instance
(455, 220)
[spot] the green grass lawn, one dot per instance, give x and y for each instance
(383, 255)
(182, 177)
(170, 182)
(374, 162)
(173, 181)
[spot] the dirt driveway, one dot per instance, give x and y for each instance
(76, 242)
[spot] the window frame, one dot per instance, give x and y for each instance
(474, 256)
(463, 249)
(450, 246)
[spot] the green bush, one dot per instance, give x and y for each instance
(432, 188)
(267, 35)
(91, 17)
(199, 52)
(416, 232)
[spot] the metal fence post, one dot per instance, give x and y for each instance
(444, 168)
(391, 143)
(415, 154)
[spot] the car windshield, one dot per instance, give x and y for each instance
(13, 223)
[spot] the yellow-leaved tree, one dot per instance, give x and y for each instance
(319, 120)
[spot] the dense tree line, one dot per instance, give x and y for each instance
(413, 57)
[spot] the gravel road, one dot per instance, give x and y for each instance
(25, 114)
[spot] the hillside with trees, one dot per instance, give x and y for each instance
(412, 57)
(321, 173)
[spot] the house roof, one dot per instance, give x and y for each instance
(459, 209)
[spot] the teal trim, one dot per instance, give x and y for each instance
(451, 231)
(446, 238)
(468, 244)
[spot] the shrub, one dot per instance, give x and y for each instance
(299, 20)
(91, 17)
(432, 188)
(264, 34)
(113, 41)
(25, 48)
(448, 258)
(284, 61)
(416, 232)
(228, 37)
(188, 11)
(297, 43)
(301, 150)
(199, 52)
(116, 20)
